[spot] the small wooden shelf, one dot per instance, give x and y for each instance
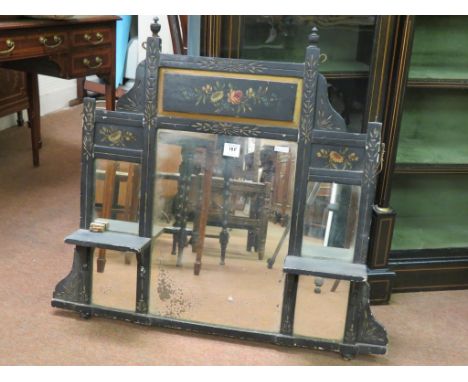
(339, 270)
(108, 240)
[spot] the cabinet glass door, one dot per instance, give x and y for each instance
(346, 44)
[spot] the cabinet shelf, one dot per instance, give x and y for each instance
(431, 168)
(438, 83)
(429, 233)
(431, 211)
(434, 127)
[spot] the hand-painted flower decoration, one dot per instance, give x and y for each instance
(217, 96)
(224, 97)
(338, 160)
(235, 97)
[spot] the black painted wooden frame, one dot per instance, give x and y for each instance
(319, 126)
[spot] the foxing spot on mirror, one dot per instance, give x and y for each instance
(227, 200)
(116, 287)
(330, 221)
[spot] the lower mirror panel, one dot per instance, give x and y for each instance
(243, 293)
(321, 307)
(116, 286)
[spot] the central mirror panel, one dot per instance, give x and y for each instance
(330, 221)
(223, 205)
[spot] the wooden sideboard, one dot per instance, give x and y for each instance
(70, 48)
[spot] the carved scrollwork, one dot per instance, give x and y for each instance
(373, 154)
(72, 287)
(89, 107)
(226, 128)
(308, 97)
(152, 63)
(327, 118)
(234, 66)
(370, 331)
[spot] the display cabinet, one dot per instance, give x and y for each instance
(421, 227)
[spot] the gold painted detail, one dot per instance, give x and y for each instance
(308, 100)
(230, 65)
(226, 129)
(338, 159)
(88, 128)
(115, 137)
(373, 148)
(227, 98)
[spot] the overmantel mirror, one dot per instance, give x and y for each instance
(177, 227)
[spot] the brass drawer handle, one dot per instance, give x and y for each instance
(97, 60)
(10, 45)
(57, 41)
(323, 58)
(99, 38)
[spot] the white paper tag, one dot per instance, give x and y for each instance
(231, 150)
(282, 149)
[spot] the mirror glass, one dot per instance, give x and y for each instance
(321, 307)
(114, 279)
(330, 221)
(117, 194)
(222, 206)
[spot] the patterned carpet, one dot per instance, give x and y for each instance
(40, 206)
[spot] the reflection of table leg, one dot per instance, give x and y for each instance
(107, 201)
(34, 115)
(183, 193)
(262, 229)
(203, 210)
(224, 234)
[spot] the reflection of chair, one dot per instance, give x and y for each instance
(117, 185)
(222, 212)
(215, 201)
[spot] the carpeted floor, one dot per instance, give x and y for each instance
(40, 206)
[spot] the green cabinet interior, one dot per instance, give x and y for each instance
(429, 184)
(439, 48)
(434, 127)
(431, 211)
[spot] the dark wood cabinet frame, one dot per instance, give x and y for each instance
(316, 126)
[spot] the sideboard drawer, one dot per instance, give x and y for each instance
(90, 62)
(88, 37)
(18, 45)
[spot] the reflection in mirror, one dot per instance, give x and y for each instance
(224, 203)
(117, 194)
(330, 221)
(321, 307)
(116, 287)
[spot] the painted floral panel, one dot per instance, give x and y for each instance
(337, 158)
(229, 97)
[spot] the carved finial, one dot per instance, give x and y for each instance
(314, 36)
(155, 27)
